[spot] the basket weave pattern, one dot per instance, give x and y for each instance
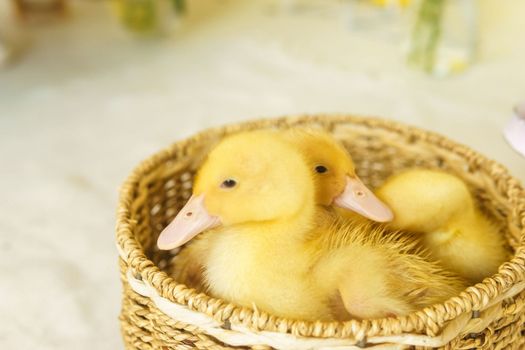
(159, 313)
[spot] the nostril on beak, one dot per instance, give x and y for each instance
(188, 214)
(359, 193)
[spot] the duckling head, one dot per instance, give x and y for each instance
(252, 177)
(335, 178)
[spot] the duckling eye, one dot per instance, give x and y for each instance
(228, 183)
(321, 169)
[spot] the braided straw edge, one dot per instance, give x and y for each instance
(237, 335)
(429, 321)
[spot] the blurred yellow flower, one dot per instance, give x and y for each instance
(384, 3)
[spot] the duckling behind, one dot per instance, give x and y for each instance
(437, 204)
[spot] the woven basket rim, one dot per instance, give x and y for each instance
(428, 321)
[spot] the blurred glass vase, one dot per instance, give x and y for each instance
(150, 16)
(444, 34)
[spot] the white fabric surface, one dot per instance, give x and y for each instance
(87, 102)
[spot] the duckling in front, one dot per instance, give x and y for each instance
(440, 206)
(267, 244)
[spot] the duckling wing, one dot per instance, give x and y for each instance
(379, 274)
(377, 282)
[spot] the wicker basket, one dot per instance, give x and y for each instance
(159, 313)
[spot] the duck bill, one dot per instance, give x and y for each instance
(357, 197)
(191, 220)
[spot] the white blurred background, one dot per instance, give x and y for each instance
(85, 95)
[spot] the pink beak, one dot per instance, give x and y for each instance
(357, 197)
(192, 219)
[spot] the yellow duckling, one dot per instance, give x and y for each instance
(431, 202)
(268, 244)
(440, 206)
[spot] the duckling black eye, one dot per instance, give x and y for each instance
(228, 183)
(321, 169)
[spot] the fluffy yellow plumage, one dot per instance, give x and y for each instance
(277, 249)
(440, 206)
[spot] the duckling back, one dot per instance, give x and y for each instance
(422, 200)
(381, 273)
(455, 232)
